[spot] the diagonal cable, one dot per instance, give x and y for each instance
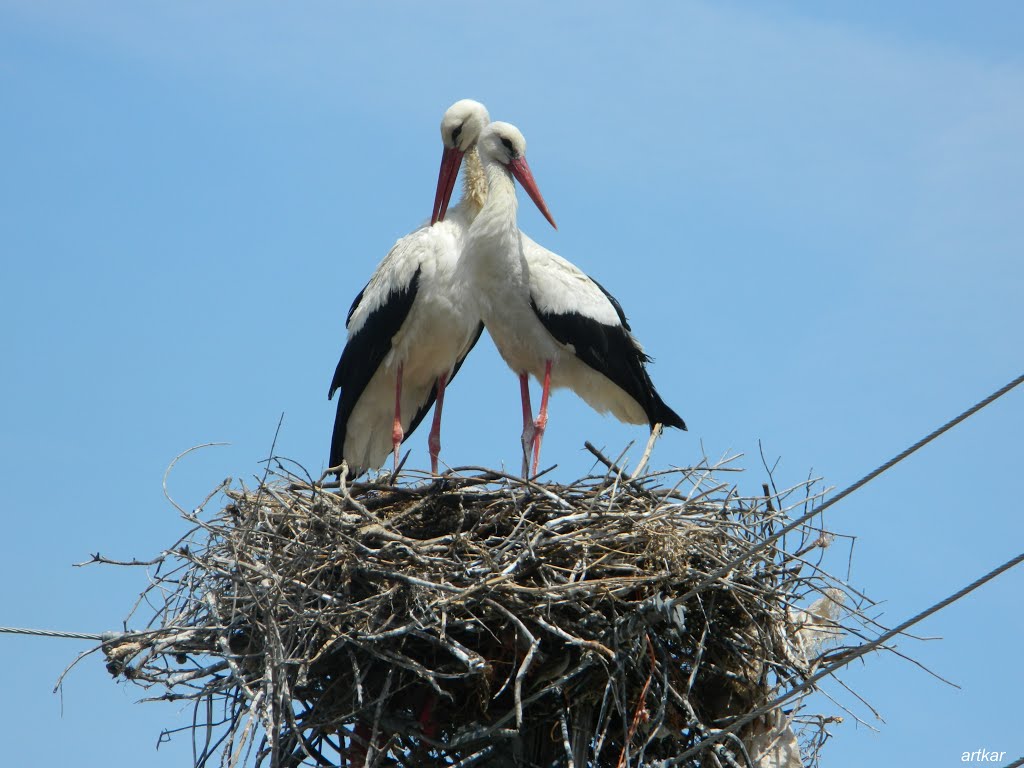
(723, 570)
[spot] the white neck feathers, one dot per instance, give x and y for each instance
(494, 239)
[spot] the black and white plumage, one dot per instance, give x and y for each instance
(410, 328)
(547, 318)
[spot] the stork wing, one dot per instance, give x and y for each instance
(557, 286)
(376, 315)
(580, 313)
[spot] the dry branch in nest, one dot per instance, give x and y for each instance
(480, 619)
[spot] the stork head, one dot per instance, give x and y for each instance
(463, 123)
(460, 128)
(504, 143)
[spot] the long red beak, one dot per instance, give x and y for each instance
(451, 159)
(521, 170)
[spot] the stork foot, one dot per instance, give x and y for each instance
(538, 435)
(542, 416)
(397, 435)
(434, 441)
(528, 438)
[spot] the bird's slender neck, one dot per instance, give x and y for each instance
(474, 181)
(501, 192)
(494, 239)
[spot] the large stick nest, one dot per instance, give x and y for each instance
(480, 619)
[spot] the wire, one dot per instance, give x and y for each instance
(718, 573)
(723, 570)
(104, 637)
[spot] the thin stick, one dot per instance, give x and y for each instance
(655, 434)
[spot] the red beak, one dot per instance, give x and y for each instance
(451, 159)
(521, 170)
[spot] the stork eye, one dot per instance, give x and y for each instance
(456, 133)
(508, 145)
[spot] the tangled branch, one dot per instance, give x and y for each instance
(479, 619)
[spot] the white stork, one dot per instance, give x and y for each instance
(546, 317)
(410, 329)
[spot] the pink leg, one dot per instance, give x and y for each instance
(397, 433)
(434, 441)
(542, 417)
(528, 428)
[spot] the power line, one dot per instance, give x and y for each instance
(104, 637)
(763, 544)
(854, 654)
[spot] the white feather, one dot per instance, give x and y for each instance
(504, 270)
(560, 287)
(441, 324)
(436, 333)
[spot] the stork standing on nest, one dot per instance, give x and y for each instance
(547, 318)
(409, 330)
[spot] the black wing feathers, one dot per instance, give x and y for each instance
(363, 354)
(615, 304)
(355, 303)
(611, 351)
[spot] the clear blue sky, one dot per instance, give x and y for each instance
(813, 217)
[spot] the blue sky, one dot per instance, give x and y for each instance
(811, 215)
